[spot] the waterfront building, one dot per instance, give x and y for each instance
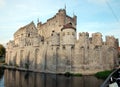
(53, 47)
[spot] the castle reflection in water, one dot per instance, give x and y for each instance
(25, 79)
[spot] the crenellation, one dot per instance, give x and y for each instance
(84, 39)
(97, 39)
(53, 47)
(110, 41)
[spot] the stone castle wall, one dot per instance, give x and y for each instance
(55, 49)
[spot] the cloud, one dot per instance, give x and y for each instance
(2, 3)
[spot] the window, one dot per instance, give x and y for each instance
(29, 35)
(63, 47)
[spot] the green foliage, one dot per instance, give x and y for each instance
(27, 65)
(103, 74)
(2, 50)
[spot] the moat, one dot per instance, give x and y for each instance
(12, 78)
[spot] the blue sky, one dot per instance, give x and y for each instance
(92, 15)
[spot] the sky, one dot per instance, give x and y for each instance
(92, 15)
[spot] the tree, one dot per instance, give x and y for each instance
(2, 50)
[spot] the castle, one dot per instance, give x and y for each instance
(53, 47)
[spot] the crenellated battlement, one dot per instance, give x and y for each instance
(97, 39)
(111, 41)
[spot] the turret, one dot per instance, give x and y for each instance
(75, 20)
(68, 34)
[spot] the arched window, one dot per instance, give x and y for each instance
(70, 23)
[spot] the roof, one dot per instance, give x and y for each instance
(24, 27)
(69, 25)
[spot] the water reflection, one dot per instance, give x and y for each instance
(1, 73)
(1, 77)
(24, 79)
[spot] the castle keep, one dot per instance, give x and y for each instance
(53, 47)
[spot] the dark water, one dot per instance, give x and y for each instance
(12, 78)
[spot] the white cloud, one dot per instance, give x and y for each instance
(2, 3)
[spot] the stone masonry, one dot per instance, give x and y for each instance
(53, 47)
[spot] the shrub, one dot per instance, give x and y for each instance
(27, 65)
(103, 74)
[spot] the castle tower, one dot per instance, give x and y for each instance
(68, 34)
(55, 23)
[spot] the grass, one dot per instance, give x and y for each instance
(103, 74)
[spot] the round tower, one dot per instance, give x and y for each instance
(68, 34)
